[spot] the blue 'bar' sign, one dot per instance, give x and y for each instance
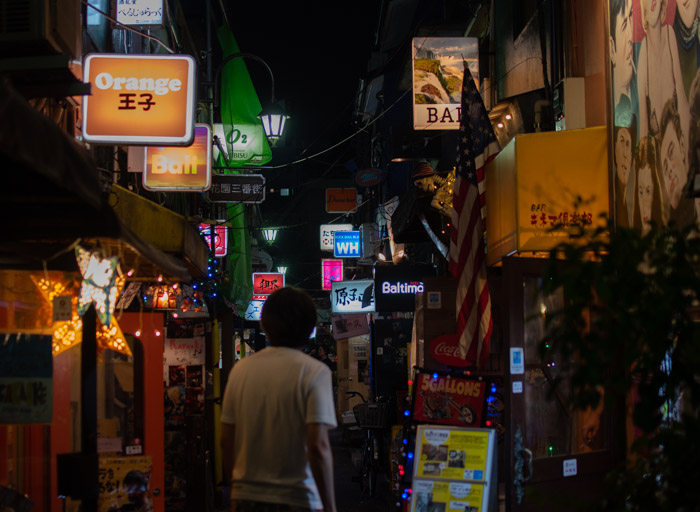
(347, 244)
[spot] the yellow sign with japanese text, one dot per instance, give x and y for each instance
(139, 99)
(454, 469)
(431, 495)
(542, 187)
(460, 455)
(124, 481)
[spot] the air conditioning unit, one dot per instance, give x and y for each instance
(33, 28)
(569, 104)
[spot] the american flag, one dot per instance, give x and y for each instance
(477, 146)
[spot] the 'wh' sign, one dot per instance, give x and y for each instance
(347, 244)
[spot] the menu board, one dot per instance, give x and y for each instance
(430, 495)
(454, 469)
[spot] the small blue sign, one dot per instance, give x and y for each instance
(347, 244)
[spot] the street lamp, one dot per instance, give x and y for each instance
(269, 234)
(273, 116)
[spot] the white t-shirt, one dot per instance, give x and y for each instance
(270, 397)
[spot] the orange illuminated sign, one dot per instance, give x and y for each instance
(341, 200)
(179, 169)
(139, 99)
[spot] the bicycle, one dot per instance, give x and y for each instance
(371, 417)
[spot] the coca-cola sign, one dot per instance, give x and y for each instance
(445, 350)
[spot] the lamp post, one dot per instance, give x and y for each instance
(273, 116)
(270, 234)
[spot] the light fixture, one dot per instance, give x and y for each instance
(282, 270)
(508, 117)
(273, 116)
(270, 234)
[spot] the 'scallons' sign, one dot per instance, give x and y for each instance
(139, 99)
(264, 283)
(339, 200)
(180, 169)
(449, 400)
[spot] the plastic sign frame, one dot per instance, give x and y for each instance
(352, 296)
(180, 169)
(264, 283)
(220, 247)
(328, 232)
(347, 244)
(331, 270)
(139, 99)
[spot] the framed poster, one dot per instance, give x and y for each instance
(448, 400)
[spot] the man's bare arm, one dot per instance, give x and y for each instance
(321, 461)
(228, 434)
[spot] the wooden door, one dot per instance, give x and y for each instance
(150, 324)
(550, 464)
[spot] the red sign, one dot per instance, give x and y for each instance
(445, 350)
(449, 400)
(220, 239)
(264, 283)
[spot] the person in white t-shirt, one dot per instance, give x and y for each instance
(276, 413)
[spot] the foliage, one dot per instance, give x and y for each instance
(630, 302)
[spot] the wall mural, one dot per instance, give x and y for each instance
(655, 56)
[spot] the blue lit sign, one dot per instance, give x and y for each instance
(347, 244)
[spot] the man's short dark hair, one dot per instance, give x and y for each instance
(288, 317)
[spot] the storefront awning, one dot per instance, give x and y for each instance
(541, 186)
(51, 198)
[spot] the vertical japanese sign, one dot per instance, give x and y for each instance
(264, 283)
(180, 169)
(331, 270)
(437, 79)
(144, 99)
(139, 12)
(255, 308)
(352, 296)
(26, 379)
